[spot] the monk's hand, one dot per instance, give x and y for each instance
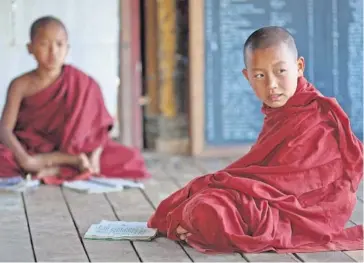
(84, 163)
(94, 158)
(182, 233)
(35, 163)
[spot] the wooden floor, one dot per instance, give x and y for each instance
(48, 224)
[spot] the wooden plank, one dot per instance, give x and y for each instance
(130, 205)
(15, 242)
(357, 255)
(155, 166)
(159, 190)
(200, 257)
(327, 256)
(53, 232)
(161, 249)
(182, 170)
(270, 257)
(91, 209)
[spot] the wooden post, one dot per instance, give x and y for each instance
(151, 75)
(196, 70)
(151, 57)
(167, 56)
(172, 123)
(130, 114)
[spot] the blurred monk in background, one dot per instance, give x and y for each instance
(55, 124)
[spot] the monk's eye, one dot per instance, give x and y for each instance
(259, 76)
(282, 71)
(60, 44)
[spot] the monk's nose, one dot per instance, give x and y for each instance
(272, 85)
(53, 50)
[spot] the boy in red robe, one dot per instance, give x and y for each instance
(295, 190)
(55, 124)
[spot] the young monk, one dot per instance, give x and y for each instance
(295, 189)
(55, 124)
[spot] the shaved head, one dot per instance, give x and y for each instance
(267, 37)
(43, 22)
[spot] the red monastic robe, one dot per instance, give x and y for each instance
(70, 116)
(293, 192)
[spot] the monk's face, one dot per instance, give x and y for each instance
(49, 46)
(273, 72)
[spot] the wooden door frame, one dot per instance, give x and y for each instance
(130, 71)
(197, 113)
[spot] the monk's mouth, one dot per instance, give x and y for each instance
(275, 97)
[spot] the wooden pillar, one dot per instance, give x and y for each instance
(151, 57)
(130, 113)
(172, 123)
(151, 76)
(196, 76)
(167, 53)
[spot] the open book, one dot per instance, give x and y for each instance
(121, 230)
(101, 185)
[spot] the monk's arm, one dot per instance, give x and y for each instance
(59, 158)
(8, 121)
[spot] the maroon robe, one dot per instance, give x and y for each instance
(293, 192)
(70, 116)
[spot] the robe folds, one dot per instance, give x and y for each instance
(294, 191)
(70, 116)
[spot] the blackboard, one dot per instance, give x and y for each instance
(329, 35)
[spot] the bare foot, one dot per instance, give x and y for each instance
(182, 233)
(48, 171)
(84, 163)
(95, 160)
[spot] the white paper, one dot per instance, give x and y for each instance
(118, 182)
(102, 185)
(90, 187)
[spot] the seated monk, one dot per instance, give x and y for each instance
(55, 125)
(295, 190)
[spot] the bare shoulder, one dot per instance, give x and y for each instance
(20, 83)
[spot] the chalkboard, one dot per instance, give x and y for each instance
(329, 35)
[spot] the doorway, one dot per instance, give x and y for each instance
(164, 56)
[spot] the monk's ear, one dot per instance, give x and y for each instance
(30, 48)
(245, 73)
(300, 66)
